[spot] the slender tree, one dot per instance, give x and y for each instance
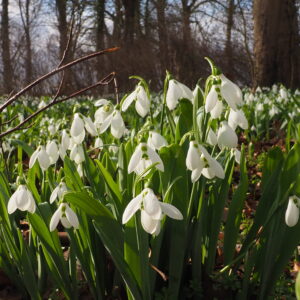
(276, 43)
(228, 43)
(27, 22)
(160, 6)
(6, 58)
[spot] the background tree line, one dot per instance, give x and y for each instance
(254, 42)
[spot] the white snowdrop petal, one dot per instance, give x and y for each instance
(129, 99)
(171, 211)
(155, 158)
(90, 126)
(151, 205)
(79, 138)
(72, 217)
(193, 157)
(101, 102)
(12, 205)
(216, 112)
(106, 123)
(212, 138)
(141, 109)
(135, 159)
(196, 173)
(55, 219)
(132, 207)
(227, 137)
(292, 213)
(65, 222)
(211, 99)
(77, 126)
(33, 157)
(208, 173)
(172, 95)
(43, 159)
(148, 223)
(54, 195)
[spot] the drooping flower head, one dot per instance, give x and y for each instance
(152, 211)
(177, 90)
(41, 156)
(199, 161)
(21, 199)
(142, 102)
(66, 215)
(142, 158)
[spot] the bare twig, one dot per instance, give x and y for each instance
(53, 72)
(9, 121)
(104, 81)
(116, 89)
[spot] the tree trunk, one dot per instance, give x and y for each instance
(228, 45)
(186, 26)
(61, 7)
(100, 34)
(276, 43)
(162, 35)
(132, 15)
(118, 21)
(28, 61)
(7, 67)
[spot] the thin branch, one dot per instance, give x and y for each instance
(9, 121)
(116, 89)
(104, 81)
(53, 72)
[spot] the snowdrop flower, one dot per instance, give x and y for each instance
(152, 211)
(283, 93)
(52, 129)
(231, 92)
(42, 104)
(292, 211)
(177, 90)
(77, 154)
(80, 170)
(199, 161)
(237, 155)
(62, 151)
(65, 139)
(52, 151)
(156, 141)
(21, 199)
(66, 215)
(104, 110)
(142, 158)
(41, 155)
(237, 118)
(58, 192)
(212, 98)
(142, 102)
(116, 123)
(194, 162)
(227, 136)
(216, 112)
(90, 126)
(77, 129)
(259, 107)
(212, 138)
(98, 143)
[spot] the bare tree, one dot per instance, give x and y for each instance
(6, 58)
(276, 43)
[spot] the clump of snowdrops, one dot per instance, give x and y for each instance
(146, 182)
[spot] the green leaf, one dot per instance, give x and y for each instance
(232, 227)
